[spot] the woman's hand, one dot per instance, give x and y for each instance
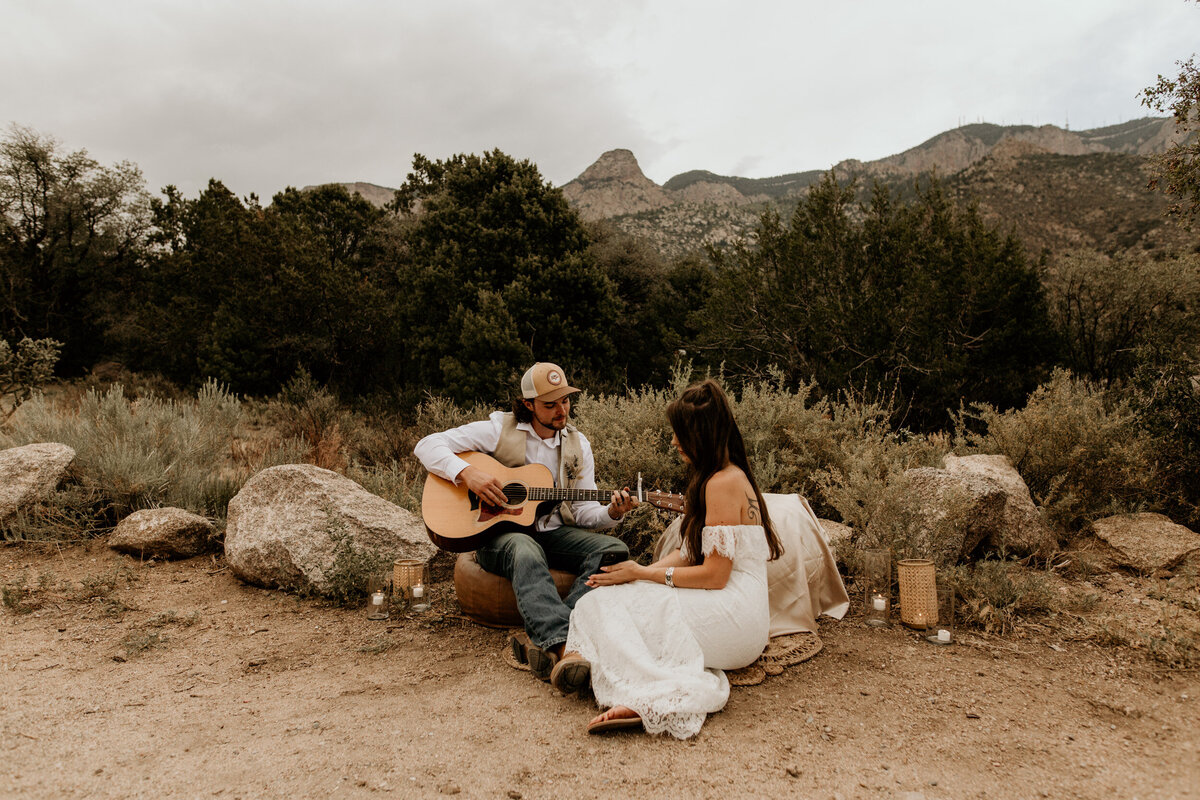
(625, 572)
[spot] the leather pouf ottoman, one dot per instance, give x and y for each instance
(488, 599)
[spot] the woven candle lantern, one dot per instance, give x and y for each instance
(918, 593)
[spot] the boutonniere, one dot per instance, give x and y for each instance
(573, 468)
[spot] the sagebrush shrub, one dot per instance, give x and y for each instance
(133, 454)
(994, 595)
(1167, 401)
(1078, 447)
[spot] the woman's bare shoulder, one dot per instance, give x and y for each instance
(725, 496)
(728, 479)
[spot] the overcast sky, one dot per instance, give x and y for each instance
(263, 95)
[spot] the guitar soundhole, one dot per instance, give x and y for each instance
(515, 494)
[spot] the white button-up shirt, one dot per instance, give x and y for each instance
(438, 452)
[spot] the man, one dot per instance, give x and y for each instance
(536, 431)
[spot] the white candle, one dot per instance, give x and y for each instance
(879, 602)
(943, 635)
(418, 591)
(377, 599)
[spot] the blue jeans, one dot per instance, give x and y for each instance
(526, 559)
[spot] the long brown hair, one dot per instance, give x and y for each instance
(708, 434)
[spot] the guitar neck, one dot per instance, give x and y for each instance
(538, 494)
(665, 500)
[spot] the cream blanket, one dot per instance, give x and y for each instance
(804, 582)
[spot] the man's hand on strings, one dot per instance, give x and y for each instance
(489, 489)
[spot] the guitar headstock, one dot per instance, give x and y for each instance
(665, 500)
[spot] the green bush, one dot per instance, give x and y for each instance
(1108, 311)
(1167, 401)
(140, 454)
(994, 595)
(307, 412)
(861, 477)
(397, 483)
(1078, 447)
(24, 370)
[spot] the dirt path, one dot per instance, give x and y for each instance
(233, 691)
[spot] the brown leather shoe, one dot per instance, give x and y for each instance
(541, 662)
(572, 674)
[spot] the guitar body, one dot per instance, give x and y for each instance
(458, 521)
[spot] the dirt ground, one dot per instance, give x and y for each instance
(227, 690)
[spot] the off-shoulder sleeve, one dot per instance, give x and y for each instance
(730, 540)
(719, 539)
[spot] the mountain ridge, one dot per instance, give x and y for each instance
(948, 152)
(1030, 177)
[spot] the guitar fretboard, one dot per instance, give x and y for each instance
(538, 494)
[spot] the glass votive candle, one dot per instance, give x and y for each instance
(411, 581)
(942, 629)
(377, 598)
(420, 598)
(877, 586)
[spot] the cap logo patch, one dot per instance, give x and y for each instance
(553, 377)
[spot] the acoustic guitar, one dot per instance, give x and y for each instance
(458, 520)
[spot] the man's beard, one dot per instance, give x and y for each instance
(554, 424)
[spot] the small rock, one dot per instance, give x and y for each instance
(514, 794)
(120, 657)
(156, 533)
(972, 715)
(793, 772)
(450, 788)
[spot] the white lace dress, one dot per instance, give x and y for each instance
(660, 651)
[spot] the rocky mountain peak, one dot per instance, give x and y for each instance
(615, 165)
(614, 185)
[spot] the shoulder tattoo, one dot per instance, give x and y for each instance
(752, 509)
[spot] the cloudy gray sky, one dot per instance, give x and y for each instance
(269, 93)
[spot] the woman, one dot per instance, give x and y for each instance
(653, 640)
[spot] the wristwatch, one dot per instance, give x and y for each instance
(669, 577)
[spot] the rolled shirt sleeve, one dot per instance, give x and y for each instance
(438, 452)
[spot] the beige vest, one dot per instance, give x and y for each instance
(511, 453)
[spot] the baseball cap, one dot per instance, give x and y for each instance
(545, 381)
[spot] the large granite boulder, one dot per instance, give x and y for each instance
(955, 512)
(1148, 542)
(298, 526)
(976, 501)
(31, 473)
(162, 533)
(1021, 530)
